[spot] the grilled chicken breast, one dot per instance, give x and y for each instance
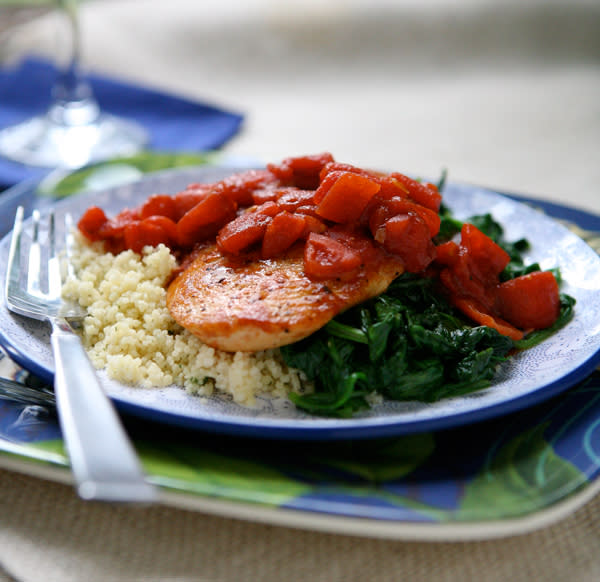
(251, 304)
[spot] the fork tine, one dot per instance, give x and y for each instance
(54, 271)
(13, 281)
(34, 261)
(51, 234)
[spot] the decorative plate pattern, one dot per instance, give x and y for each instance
(476, 481)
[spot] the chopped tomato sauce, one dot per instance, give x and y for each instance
(470, 274)
(342, 216)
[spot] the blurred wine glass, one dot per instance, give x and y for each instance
(74, 131)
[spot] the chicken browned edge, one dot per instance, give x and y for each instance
(250, 304)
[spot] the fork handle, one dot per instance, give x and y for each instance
(103, 460)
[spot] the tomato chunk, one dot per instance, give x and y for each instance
(312, 224)
(325, 257)
(342, 167)
(205, 219)
(267, 193)
(269, 208)
(185, 200)
(281, 233)
(531, 301)
(113, 228)
(167, 225)
(385, 209)
(475, 311)
(459, 282)
(446, 253)
(325, 185)
(423, 193)
(240, 187)
(391, 187)
(151, 231)
(302, 171)
(291, 199)
(91, 222)
(347, 197)
(407, 236)
(473, 267)
(487, 259)
(159, 205)
(243, 232)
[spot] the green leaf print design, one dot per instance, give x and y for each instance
(50, 451)
(523, 476)
(191, 469)
(277, 480)
(375, 462)
(120, 170)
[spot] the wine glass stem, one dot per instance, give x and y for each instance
(73, 99)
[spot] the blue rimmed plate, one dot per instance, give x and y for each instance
(529, 378)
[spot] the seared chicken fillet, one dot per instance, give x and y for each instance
(251, 304)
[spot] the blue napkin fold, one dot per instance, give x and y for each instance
(174, 124)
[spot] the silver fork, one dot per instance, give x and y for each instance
(104, 463)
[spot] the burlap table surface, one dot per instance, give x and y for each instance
(48, 535)
(503, 94)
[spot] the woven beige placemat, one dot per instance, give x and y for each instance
(48, 535)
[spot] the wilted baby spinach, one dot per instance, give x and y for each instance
(409, 343)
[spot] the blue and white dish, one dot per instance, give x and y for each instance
(529, 378)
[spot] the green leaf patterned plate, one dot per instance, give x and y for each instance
(506, 476)
(501, 477)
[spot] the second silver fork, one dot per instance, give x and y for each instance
(103, 460)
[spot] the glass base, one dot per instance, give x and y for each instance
(50, 142)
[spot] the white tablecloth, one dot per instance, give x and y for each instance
(501, 93)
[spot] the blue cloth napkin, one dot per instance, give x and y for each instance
(174, 124)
